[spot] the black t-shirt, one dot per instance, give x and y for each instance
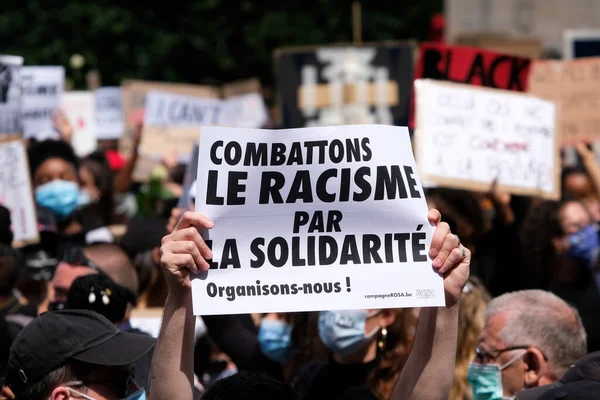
(334, 381)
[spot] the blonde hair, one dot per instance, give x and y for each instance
(471, 321)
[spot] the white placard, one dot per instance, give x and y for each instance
(467, 137)
(10, 94)
(169, 109)
(80, 109)
(344, 225)
(109, 113)
(41, 93)
(15, 191)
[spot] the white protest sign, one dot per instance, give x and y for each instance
(80, 109)
(15, 191)
(109, 113)
(169, 109)
(313, 219)
(10, 94)
(169, 116)
(467, 137)
(41, 92)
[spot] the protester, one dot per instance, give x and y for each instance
(100, 258)
(368, 348)
(427, 371)
(75, 354)
(530, 339)
(97, 183)
(561, 248)
(55, 180)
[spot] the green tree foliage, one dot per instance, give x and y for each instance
(202, 41)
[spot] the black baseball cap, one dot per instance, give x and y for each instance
(56, 338)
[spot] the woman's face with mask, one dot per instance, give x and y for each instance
(580, 240)
(574, 217)
(56, 187)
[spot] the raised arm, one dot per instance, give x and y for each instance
(182, 252)
(429, 370)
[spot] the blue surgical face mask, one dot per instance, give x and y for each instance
(585, 245)
(343, 332)
(275, 339)
(486, 379)
(59, 196)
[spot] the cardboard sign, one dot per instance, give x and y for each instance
(170, 119)
(525, 47)
(574, 86)
(80, 109)
(543, 19)
(468, 137)
(337, 85)
(109, 113)
(290, 208)
(41, 94)
(15, 190)
(473, 66)
(10, 94)
(134, 103)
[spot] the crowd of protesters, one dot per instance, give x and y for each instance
(522, 324)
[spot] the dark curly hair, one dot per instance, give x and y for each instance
(39, 152)
(541, 225)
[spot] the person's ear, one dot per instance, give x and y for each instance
(60, 393)
(387, 317)
(536, 367)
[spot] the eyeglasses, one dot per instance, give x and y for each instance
(485, 357)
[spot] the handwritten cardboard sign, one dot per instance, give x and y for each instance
(41, 94)
(10, 94)
(471, 65)
(290, 210)
(15, 190)
(169, 117)
(467, 137)
(134, 103)
(574, 86)
(343, 84)
(109, 113)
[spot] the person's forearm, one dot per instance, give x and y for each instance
(172, 374)
(123, 178)
(429, 371)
